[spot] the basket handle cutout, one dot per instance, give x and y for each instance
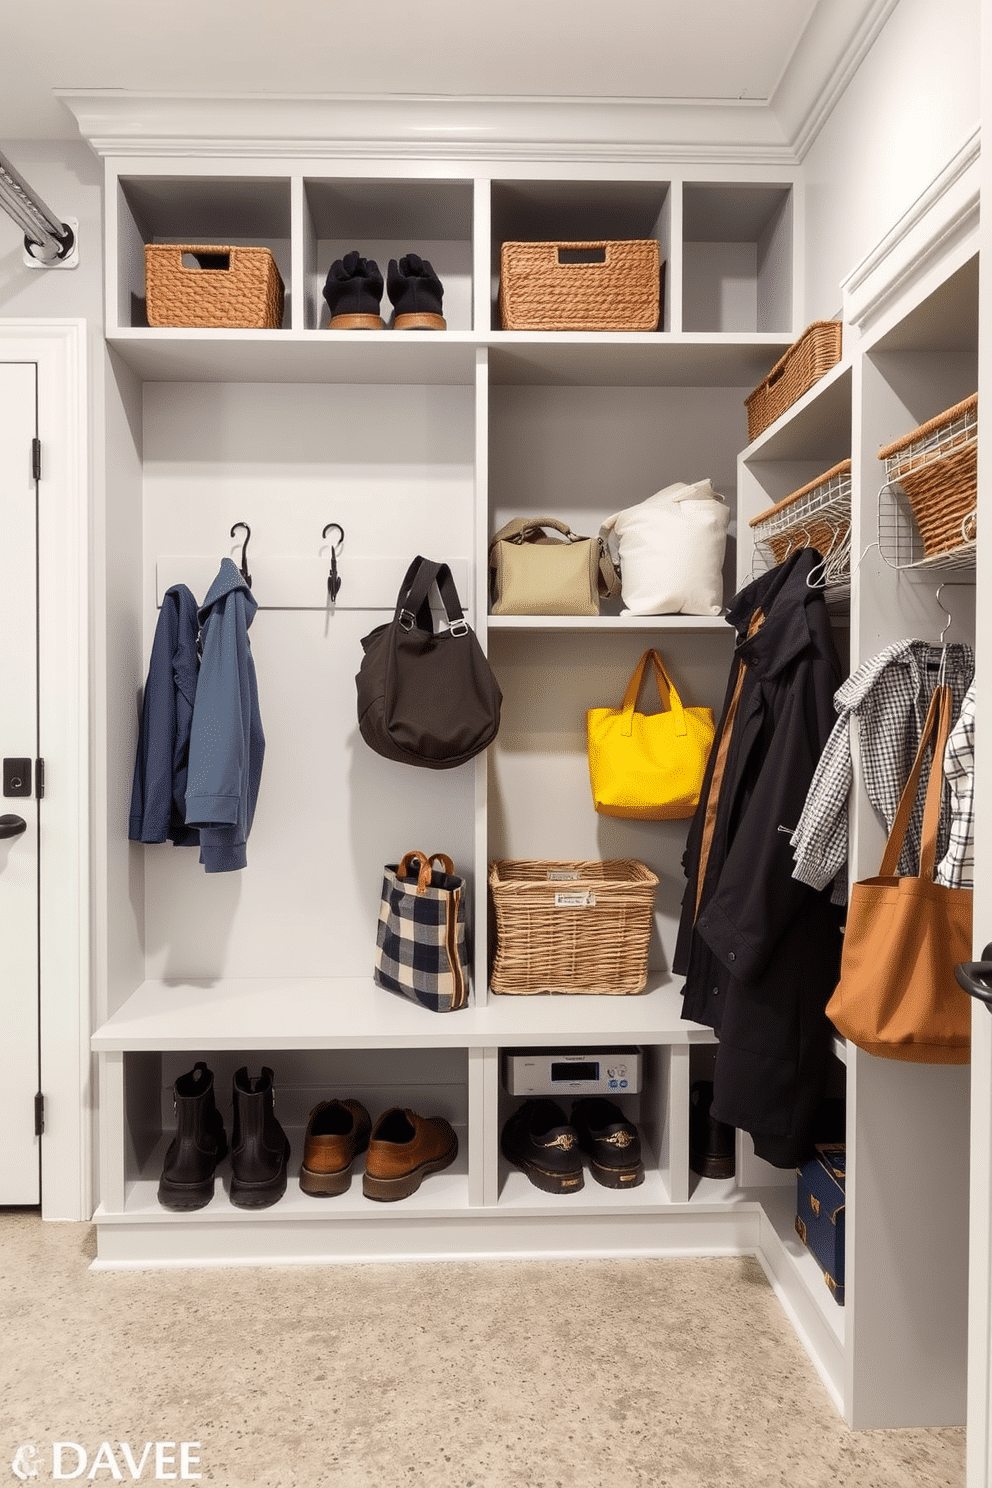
(207, 261)
(581, 255)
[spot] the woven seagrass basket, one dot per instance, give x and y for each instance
(224, 287)
(596, 285)
(572, 926)
(937, 466)
(817, 350)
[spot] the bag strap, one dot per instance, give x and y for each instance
(609, 574)
(936, 727)
(529, 529)
(667, 693)
(412, 604)
(424, 875)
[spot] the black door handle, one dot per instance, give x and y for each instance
(976, 977)
(12, 826)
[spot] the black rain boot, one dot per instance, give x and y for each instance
(712, 1143)
(416, 293)
(353, 291)
(259, 1146)
(200, 1143)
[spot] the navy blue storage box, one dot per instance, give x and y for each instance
(820, 1212)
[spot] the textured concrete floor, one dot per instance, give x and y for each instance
(532, 1374)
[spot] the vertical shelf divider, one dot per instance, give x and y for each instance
(482, 217)
(675, 1136)
(112, 1142)
(302, 255)
(481, 592)
(674, 274)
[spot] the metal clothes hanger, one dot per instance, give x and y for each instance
(942, 672)
(950, 618)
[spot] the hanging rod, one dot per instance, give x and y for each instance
(48, 240)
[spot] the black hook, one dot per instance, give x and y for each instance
(334, 578)
(244, 551)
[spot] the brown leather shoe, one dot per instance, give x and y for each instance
(336, 1132)
(404, 1148)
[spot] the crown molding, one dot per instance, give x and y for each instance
(776, 131)
(944, 214)
(121, 123)
(826, 57)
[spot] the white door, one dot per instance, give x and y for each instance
(19, 807)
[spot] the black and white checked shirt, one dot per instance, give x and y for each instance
(881, 711)
(956, 870)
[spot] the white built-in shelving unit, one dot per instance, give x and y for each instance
(428, 442)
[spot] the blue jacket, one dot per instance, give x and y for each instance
(226, 740)
(158, 795)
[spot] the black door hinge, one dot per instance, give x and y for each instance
(39, 1114)
(39, 779)
(36, 459)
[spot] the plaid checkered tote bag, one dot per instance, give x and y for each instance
(420, 943)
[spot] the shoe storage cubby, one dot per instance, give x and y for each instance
(384, 220)
(432, 1082)
(427, 443)
(581, 211)
(254, 212)
(649, 1109)
(737, 257)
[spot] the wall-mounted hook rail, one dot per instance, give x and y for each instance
(299, 582)
(334, 578)
(244, 551)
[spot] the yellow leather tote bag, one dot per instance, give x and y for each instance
(648, 766)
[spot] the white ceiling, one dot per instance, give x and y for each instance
(643, 49)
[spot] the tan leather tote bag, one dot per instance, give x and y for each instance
(533, 574)
(897, 996)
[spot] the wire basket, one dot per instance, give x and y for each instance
(806, 361)
(818, 515)
(936, 468)
(595, 285)
(218, 287)
(572, 926)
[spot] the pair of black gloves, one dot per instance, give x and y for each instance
(354, 288)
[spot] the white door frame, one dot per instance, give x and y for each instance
(20, 1171)
(58, 347)
(979, 1443)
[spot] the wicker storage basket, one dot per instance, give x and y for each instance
(229, 288)
(805, 362)
(937, 466)
(818, 515)
(555, 286)
(572, 926)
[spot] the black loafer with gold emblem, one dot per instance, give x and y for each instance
(539, 1140)
(610, 1141)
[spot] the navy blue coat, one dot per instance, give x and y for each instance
(226, 740)
(761, 951)
(158, 794)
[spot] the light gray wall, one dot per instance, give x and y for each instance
(913, 102)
